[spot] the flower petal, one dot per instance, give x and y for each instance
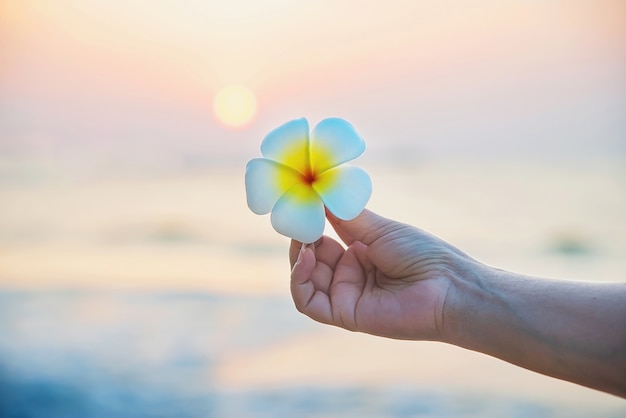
(289, 144)
(266, 182)
(334, 141)
(344, 191)
(299, 214)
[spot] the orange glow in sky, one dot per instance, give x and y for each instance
(412, 65)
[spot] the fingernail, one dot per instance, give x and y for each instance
(302, 250)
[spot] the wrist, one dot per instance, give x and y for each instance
(469, 296)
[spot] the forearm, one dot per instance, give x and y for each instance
(570, 330)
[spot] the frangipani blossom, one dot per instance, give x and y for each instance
(301, 174)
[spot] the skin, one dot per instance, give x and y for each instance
(397, 281)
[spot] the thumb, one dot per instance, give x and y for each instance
(367, 227)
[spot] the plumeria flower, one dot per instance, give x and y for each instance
(302, 174)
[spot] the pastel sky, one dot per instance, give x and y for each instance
(133, 80)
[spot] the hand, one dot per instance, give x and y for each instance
(391, 280)
(397, 281)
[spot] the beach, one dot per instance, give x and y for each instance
(136, 283)
(163, 295)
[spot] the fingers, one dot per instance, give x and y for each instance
(312, 275)
(303, 266)
(326, 250)
(296, 246)
(347, 287)
(304, 287)
(366, 227)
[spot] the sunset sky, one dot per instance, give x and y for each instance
(135, 81)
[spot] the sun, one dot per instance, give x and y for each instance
(234, 105)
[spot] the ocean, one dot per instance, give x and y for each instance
(159, 294)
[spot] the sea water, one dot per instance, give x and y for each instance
(161, 295)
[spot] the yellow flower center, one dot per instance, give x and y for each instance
(308, 164)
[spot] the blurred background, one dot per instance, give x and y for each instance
(134, 281)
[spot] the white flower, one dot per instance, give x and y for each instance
(301, 174)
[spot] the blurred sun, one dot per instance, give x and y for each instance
(235, 105)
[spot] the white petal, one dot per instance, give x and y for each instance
(289, 144)
(344, 190)
(334, 141)
(299, 214)
(266, 182)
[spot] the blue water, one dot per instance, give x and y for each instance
(77, 354)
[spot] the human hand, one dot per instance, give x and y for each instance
(391, 280)
(397, 281)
